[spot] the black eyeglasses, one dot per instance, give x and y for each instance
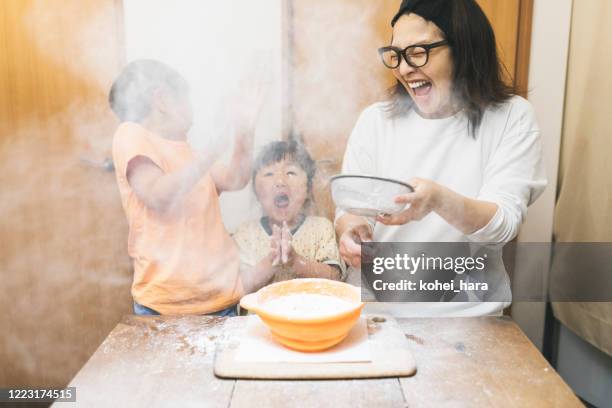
(415, 55)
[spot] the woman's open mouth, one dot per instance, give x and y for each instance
(281, 200)
(420, 88)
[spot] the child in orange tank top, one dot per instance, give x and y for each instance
(184, 260)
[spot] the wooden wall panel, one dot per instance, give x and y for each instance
(65, 274)
(523, 52)
(504, 17)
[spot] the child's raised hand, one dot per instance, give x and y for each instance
(275, 245)
(250, 95)
(287, 253)
(281, 248)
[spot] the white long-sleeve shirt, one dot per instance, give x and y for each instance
(502, 164)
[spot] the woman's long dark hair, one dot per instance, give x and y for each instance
(478, 73)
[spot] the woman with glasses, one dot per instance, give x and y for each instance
(453, 130)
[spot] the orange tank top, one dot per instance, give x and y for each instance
(184, 260)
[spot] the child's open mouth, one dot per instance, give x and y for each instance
(281, 200)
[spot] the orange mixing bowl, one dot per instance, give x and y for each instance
(312, 332)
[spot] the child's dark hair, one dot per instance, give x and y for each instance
(291, 150)
(131, 94)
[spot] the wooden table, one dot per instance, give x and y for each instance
(168, 361)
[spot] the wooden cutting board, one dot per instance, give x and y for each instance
(390, 355)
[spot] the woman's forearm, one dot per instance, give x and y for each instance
(466, 214)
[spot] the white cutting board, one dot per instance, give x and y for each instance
(389, 356)
(258, 346)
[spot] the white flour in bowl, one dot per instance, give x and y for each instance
(307, 305)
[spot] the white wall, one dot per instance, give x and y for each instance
(212, 44)
(547, 76)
